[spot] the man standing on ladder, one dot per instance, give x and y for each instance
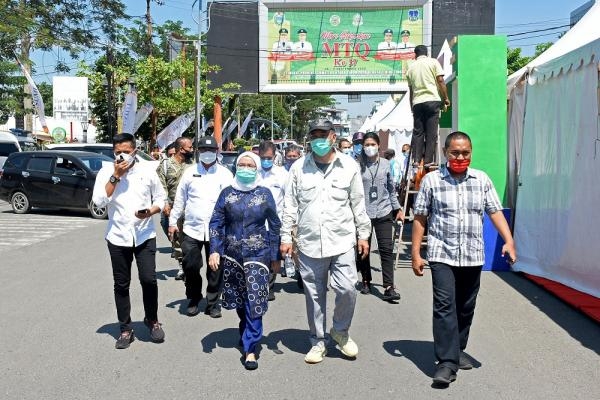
(427, 91)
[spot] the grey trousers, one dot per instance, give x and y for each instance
(314, 271)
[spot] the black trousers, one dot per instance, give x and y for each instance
(426, 118)
(192, 263)
(454, 295)
(145, 258)
(384, 228)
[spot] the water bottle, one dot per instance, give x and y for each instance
(290, 268)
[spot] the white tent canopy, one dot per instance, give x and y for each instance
(585, 31)
(557, 108)
(383, 110)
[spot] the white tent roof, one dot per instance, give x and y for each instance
(381, 113)
(399, 119)
(584, 31)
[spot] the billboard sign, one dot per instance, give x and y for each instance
(340, 49)
(70, 98)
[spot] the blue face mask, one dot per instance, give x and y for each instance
(288, 163)
(266, 164)
(348, 151)
(357, 148)
(320, 146)
(246, 175)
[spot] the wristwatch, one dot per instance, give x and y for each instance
(113, 179)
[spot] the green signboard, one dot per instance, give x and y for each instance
(350, 49)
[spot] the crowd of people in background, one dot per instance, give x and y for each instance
(317, 210)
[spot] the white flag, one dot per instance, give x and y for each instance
(174, 130)
(141, 115)
(246, 122)
(129, 113)
(36, 96)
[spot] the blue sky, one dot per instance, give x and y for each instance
(512, 16)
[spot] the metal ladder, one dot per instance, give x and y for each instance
(408, 183)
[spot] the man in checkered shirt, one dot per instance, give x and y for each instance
(451, 203)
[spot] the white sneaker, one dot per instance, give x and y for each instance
(346, 344)
(316, 354)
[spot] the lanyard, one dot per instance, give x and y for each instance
(374, 176)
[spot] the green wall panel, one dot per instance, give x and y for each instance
(481, 103)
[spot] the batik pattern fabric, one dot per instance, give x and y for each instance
(238, 233)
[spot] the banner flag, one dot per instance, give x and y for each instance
(38, 102)
(174, 130)
(129, 111)
(246, 122)
(141, 115)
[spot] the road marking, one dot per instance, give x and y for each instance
(20, 230)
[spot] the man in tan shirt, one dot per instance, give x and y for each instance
(427, 91)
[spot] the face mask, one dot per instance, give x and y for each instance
(371, 151)
(405, 153)
(188, 156)
(458, 166)
(347, 151)
(357, 148)
(320, 146)
(266, 164)
(208, 157)
(128, 158)
(288, 163)
(245, 175)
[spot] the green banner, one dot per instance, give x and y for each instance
(342, 45)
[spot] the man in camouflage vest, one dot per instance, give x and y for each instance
(169, 172)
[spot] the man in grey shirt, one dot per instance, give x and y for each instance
(324, 198)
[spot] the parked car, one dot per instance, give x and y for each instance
(52, 179)
(26, 141)
(100, 148)
(8, 145)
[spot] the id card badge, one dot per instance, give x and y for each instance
(373, 193)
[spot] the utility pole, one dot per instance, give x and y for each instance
(198, 78)
(148, 29)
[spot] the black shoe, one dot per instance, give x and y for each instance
(214, 312)
(390, 294)
(251, 365)
(271, 296)
(464, 362)
(156, 331)
(192, 308)
(124, 340)
(444, 376)
(366, 288)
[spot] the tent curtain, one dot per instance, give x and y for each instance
(556, 226)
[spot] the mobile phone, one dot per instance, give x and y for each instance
(143, 211)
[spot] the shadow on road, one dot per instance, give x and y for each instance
(166, 274)
(182, 304)
(418, 352)
(574, 322)
(228, 338)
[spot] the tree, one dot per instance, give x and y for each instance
(307, 109)
(71, 25)
(514, 60)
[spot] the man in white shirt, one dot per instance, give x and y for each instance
(274, 178)
(302, 46)
(387, 46)
(132, 193)
(324, 198)
(196, 196)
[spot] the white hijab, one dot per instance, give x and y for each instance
(245, 187)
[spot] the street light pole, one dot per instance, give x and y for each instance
(292, 109)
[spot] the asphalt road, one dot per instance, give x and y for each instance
(58, 327)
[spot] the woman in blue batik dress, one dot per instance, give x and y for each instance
(244, 248)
